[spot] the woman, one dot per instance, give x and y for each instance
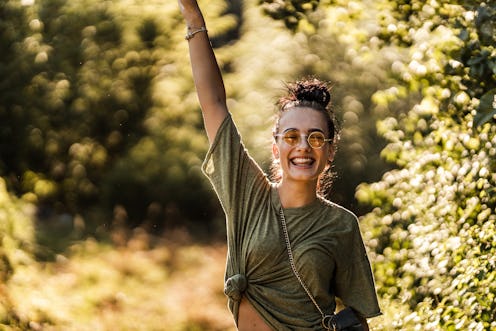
(290, 251)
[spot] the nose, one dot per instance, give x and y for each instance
(303, 142)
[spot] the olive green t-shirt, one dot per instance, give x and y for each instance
(327, 245)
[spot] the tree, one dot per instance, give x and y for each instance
(85, 123)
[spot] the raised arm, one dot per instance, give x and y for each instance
(206, 72)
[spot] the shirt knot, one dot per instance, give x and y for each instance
(235, 286)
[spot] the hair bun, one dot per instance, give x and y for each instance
(311, 90)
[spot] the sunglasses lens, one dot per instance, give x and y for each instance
(316, 139)
(291, 137)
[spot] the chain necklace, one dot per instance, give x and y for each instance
(327, 320)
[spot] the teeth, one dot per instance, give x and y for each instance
(302, 160)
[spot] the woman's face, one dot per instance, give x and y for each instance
(301, 162)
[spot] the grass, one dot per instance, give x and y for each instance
(173, 285)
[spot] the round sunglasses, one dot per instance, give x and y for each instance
(293, 137)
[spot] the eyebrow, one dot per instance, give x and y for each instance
(309, 131)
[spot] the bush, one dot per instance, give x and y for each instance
(17, 239)
(432, 231)
(16, 246)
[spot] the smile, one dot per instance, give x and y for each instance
(302, 161)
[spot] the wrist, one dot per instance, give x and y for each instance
(195, 25)
(191, 32)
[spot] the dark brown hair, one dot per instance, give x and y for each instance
(310, 93)
(314, 94)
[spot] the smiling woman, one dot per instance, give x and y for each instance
(304, 158)
(291, 252)
(306, 103)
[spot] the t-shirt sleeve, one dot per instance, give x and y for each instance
(354, 281)
(237, 179)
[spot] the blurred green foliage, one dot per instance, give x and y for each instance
(17, 247)
(99, 118)
(432, 231)
(88, 119)
(292, 13)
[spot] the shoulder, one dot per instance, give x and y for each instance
(340, 219)
(336, 209)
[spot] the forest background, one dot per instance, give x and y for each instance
(106, 222)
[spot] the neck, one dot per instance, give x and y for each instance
(295, 195)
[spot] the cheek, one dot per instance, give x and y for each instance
(284, 151)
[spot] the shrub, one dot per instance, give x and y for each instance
(16, 246)
(433, 227)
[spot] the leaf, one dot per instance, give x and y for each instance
(487, 108)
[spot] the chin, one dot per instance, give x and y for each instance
(306, 177)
